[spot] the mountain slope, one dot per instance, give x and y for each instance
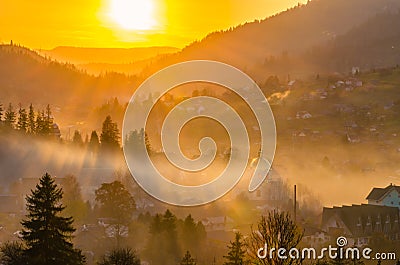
(374, 44)
(294, 30)
(289, 33)
(26, 77)
(326, 35)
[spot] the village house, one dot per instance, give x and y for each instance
(303, 115)
(360, 223)
(272, 192)
(389, 196)
(315, 237)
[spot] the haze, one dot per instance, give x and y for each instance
(105, 23)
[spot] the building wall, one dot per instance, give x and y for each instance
(392, 199)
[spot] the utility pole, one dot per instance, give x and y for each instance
(295, 203)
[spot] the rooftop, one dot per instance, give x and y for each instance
(378, 193)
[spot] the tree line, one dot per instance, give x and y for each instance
(31, 121)
(108, 139)
(46, 237)
(41, 123)
(47, 233)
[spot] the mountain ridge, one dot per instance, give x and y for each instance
(291, 32)
(84, 55)
(25, 75)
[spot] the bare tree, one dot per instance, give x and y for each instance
(274, 231)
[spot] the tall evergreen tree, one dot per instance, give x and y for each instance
(46, 233)
(193, 234)
(9, 117)
(44, 122)
(236, 253)
(189, 236)
(94, 142)
(188, 259)
(109, 134)
(31, 120)
(22, 123)
(77, 139)
(132, 141)
(39, 123)
(163, 237)
(48, 121)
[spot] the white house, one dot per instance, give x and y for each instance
(389, 196)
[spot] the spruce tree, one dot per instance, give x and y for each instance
(48, 121)
(192, 234)
(164, 238)
(94, 142)
(31, 120)
(236, 254)
(22, 123)
(46, 233)
(77, 139)
(9, 116)
(39, 123)
(109, 134)
(132, 141)
(187, 259)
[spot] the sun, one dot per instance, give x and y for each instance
(133, 14)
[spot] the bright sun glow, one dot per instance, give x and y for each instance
(133, 14)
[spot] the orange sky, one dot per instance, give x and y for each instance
(87, 23)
